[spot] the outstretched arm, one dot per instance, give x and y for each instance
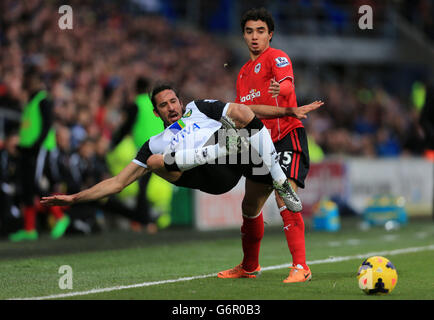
(263, 111)
(103, 189)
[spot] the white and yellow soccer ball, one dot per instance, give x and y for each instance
(377, 275)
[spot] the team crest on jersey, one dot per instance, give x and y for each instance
(281, 62)
(258, 68)
(187, 114)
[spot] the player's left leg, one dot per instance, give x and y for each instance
(27, 173)
(252, 231)
(294, 159)
(260, 140)
(241, 117)
(62, 222)
(293, 227)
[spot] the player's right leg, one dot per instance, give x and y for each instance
(241, 117)
(28, 171)
(260, 140)
(252, 231)
(295, 162)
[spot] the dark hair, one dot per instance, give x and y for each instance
(161, 87)
(10, 129)
(142, 85)
(256, 14)
(32, 77)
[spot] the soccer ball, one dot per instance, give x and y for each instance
(377, 275)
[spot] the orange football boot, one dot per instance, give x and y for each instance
(239, 272)
(298, 274)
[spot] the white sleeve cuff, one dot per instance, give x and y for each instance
(140, 163)
(292, 79)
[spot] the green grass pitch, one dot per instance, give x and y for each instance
(179, 264)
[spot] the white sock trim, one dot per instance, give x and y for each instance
(282, 208)
(254, 217)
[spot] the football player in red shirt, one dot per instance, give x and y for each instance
(268, 79)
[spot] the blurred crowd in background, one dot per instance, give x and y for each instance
(91, 73)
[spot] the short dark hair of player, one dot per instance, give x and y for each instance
(159, 88)
(256, 14)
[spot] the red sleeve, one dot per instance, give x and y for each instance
(281, 66)
(286, 86)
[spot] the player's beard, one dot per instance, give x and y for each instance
(168, 123)
(257, 50)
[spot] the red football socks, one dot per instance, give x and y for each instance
(252, 232)
(293, 226)
(56, 212)
(29, 218)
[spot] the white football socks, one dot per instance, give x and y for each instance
(189, 158)
(262, 143)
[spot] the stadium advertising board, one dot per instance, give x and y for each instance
(411, 178)
(224, 211)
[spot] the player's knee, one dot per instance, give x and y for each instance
(240, 114)
(250, 208)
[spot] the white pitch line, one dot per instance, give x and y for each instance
(281, 266)
(357, 256)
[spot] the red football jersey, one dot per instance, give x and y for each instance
(252, 88)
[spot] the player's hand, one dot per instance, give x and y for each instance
(301, 112)
(274, 88)
(58, 200)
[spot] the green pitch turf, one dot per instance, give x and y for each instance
(157, 265)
